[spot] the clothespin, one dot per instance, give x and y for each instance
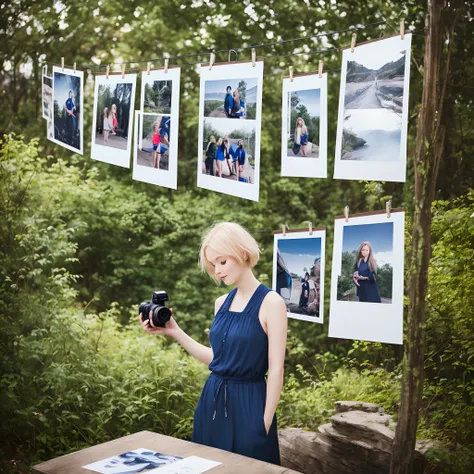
(74, 68)
(402, 29)
(320, 68)
(166, 65)
(310, 228)
(346, 213)
(254, 57)
(291, 73)
(123, 71)
(353, 43)
(284, 228)
(107, 70)
(388, 207)
(148, 67)
(212, 60)
(62, 63)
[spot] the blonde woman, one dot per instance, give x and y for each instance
(237, 106)
(365, 274)
(236, 411)
(113, 114)
(301, 138)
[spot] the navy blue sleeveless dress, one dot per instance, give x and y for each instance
(229, 414)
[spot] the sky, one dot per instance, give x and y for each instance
(300, 253)
(379, 235)
(375, 55)
(360, 120)
(63, 83)
(226, 126)
(220, 85)
(309, 98)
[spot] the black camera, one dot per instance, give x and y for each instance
(160, 314)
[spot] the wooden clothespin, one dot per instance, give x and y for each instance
(284, 228)
(167, 60)
(107, 70)
(353, 42)
(291, 73)
(388, 207)
(123, 71)
(148, 67)
(74, 68)
(254, 57)
(402, 29)
(310, 227)
(62, 63)
(320, 68)
(346, 213)
(212, 60)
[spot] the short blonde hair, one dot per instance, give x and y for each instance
(228, 239)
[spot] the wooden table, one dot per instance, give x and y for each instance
(231, 463)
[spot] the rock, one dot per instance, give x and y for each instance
(350, 141)
(357, 441)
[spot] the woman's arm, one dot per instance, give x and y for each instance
(274, 313)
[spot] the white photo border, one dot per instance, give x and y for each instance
(374, 322)
(107, 154)
(305, 167)
(231, 71)
(42, 97)
(317, 234)
(374, 170)
(79, 74)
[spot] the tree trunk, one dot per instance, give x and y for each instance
(429, 149)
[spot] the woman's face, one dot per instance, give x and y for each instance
(236, 94)
(227, 268)
(299, 123)
(365, 251)
(70, 95)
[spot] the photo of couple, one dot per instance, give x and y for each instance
(303, 123)
(367, 268)
(67, 109)
(229, 152)
(298, 266)
(229, 98)
(113, 109)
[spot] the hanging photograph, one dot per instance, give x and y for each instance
(371, 139)
(67, 122)
(47, 95)
(298, 273)
(156, 152)
(304, 126)
(114, 99)
(367, 278)
(151, 162)
(229, 128)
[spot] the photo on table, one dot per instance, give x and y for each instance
(230, 106)
(367, 278)
(298, 273)
(138, 460)
(304, 126)
(114, 99)
(373, 111)
(67, 120)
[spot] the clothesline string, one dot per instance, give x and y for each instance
(261, 45)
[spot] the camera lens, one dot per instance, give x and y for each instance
(160, 315)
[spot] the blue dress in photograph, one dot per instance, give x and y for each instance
(229, 414)
(368, 290)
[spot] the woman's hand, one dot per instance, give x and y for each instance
(268, 424)
(171, 328)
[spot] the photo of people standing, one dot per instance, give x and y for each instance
(298, 274)
(231, 98)
(67, 113)
(229, 150)
(367, 264)
(303, 123)
(155, 142)
(113, 114)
